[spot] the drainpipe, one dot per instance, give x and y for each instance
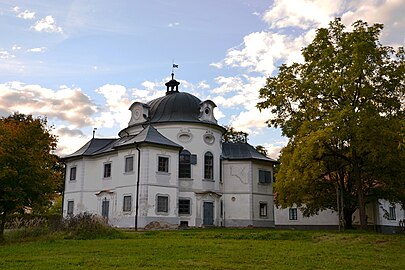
(137, 188)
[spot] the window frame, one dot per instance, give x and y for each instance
(165, 206)
(185, 164)
(127, 206)
(208, 166)
(263, 209)
(392, 213)
(292, 213)
(73, 169)
(163, 165)
(70, 208)
(181, 213)
(107, 164)
(266, 180)
(129, 168)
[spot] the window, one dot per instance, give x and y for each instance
(129, 164)
(127, 204)
(162, 204)
(72, 174)
(70, 207)
(184, 164)
(292, 214)
(208, 166)
(263, 209)
(184, 207)
(107, 170)
(392, 215)
(264, 177)
(163, 164)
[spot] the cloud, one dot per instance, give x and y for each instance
(48, 25)
(16, 47)
(68, 105)
(6, 55)
(37, 50)
(26, 15)
(173, 24)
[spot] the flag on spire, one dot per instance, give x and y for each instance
(175, 66)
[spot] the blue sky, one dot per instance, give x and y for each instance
(82, 63)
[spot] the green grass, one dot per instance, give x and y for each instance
(212, 249)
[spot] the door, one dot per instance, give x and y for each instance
(208, 210)
(105, 208)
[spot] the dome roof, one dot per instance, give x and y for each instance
(175, 107)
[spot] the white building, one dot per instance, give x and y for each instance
(169, 165)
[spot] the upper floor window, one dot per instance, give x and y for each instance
(208, 166)
(185, 164)
(129, 164)
(107, 170)
(72, 176)
(264, 177)
(292, 214)
(163, 164)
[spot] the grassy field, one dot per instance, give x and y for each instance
(211, 249)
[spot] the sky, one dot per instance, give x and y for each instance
(82, 63)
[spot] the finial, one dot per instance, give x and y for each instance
(172, 75)
(94, 132)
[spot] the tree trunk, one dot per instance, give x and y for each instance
(2, 226)
(348, 213)
(360, 194)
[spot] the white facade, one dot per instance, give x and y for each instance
(168, 166)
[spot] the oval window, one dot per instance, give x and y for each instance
(209, 139)
(184, 137)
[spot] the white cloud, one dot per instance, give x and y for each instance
(26, 15)
(48, 25)
(174, 24)
(6, 55)
(16, 47)
(37, 50)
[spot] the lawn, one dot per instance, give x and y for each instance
(212, 249)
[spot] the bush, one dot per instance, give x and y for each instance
(89, 226)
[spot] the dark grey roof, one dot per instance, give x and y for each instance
(99, 146)
(147, 135)
(175, 107)
(242, 151)
(91, 147)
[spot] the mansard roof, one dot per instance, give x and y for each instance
(99, 146)
(243, 151)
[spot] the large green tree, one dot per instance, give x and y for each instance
(343, 112)
(28, 178)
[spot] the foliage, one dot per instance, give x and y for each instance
(89, 226)
(213, 249)
(261, 149)
(342, 110)
(233, 136)
(28, 178)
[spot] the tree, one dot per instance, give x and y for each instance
(231, 135)
(28, 178)
(342, 110)
(261, 149)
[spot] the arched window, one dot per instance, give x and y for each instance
(185, 164)
(208, 166)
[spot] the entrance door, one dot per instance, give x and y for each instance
(208, 209)
(105, 208)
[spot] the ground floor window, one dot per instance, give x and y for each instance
(162, 204)
(70, 207)
(292, 214)
(184, 207)
(263, 209)
(127, 204)
(392, 215)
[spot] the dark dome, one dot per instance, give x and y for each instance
(175, 107)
